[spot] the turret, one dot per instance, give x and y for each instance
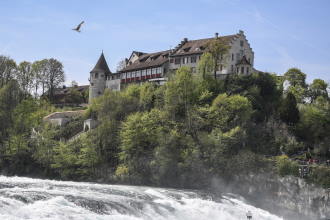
(98, 78)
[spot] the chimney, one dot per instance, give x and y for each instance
(241, 32)
(185, 40)
(216, 35)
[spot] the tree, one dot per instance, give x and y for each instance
(40, 75)
(227, 112)
(295, 77)
(10, 97)
(25, 77)
(218, 48)
(180, 94)
(121, 65)
(55, 76)
(139, 137)
(318, 88)
(205, 67)
(288, 110)
(7, 70)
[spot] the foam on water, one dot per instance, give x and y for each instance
(26, 198)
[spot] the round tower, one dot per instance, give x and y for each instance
(98, 77)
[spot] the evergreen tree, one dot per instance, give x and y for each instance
(288, 110)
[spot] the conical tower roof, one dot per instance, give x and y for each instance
(101, 66)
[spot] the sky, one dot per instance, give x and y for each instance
(282, 33)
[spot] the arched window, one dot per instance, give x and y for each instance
(96, 75)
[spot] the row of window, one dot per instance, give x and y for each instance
(139, 73)
(96, 75)
(243, 70)
(184, 60)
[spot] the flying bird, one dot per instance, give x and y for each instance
(78, 27)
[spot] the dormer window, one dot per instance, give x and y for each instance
(242, 43)
(186, 49)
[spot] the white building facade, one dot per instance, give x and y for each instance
(154, 67)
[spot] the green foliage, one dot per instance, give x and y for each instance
(76, 159)
(218, 48)
(288, 110)
(318, 89)
(286, 167)
(181, 134)
(139, 137)
(320, 175)
(205, 66)
(180, 94)
(295, 77)
(314, 123)
(228, 112)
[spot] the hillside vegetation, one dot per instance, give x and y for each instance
(182, 134)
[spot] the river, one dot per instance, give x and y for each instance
(35, 199)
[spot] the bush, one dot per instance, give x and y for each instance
(320, 176)
(286, 167)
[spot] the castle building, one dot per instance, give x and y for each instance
(154, 67)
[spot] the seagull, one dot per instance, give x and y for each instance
(78, 27)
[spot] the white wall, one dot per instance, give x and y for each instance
(113, 84)
(97, 85)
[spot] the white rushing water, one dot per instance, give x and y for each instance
(35, 199)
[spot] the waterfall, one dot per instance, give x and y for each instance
(27, 198)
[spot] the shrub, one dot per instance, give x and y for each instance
(320, 176)
(286, 167)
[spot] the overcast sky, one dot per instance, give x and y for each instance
(282, 33)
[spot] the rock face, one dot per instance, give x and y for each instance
(286, 196)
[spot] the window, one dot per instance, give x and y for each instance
(96, 75)
(232, 68)
(242, 43)
(92, 84)
(159, 70)
(148, 72)
(144, 72)
(177, 60)
(242, 69)
(232, 57)
(237, 70)
(102, 75)
(247, 70)
(123, 75)
(133, 74)
(193, 59)
(138, 73)
(221, 67)
(171, 60)
(237, 56)
(154, 70)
